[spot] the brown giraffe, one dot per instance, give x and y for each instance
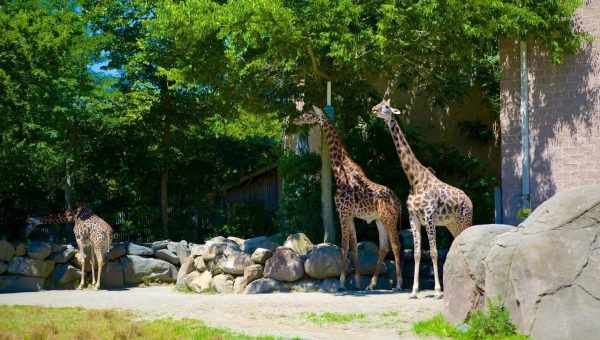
(358, 197)
(91, 232)
(431, 202)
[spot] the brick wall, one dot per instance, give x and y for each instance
(564, 118)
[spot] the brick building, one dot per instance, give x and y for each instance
(563, 105)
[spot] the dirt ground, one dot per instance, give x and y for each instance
(388, 315)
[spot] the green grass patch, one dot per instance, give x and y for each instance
(329, 317)
(30, 322)
(493, 325)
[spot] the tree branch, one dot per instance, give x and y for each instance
(315, 64)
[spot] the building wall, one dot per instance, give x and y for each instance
(564, 118)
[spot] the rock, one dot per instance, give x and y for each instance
(20, 250)
(113, 275)
(199, 264)
(117, 251)
(7, 251)
(284, 265)
(30, 267)
(252, 273)
(262, 286)
(212, 250)
(136, 249)
(64, 255)
(186, 267)
(213, 266)
(261, 255)
(199, 282)
(167, 255)
(251, 244)
(197, 249)
(217, 239)
(64, 274)
(330, 286)
(323, 261)
(158, 245)
(239, 284)
(223, 283)
(464, 271)
(14, 283)
(138, 269)
(239, 241)
(38, 250)
(3, 267)
(77, 261)
(305, 286)
(58, 247)
(234, 263)
(368, 254)
(179, 248)
(547, 271)
(299, 242)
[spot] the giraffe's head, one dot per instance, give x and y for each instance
(70, 215)
(384, 110)
(310, 117)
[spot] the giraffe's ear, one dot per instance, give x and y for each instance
(386, 101)
(395, 111)
(317, 111)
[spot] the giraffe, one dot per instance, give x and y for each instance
(90, 232)
(430, 202)
(358, 197)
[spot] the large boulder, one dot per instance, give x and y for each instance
(16, 283)
(239, 284)
(299, 242)
(234, 263)
(139, 269)
(181, 249)
(368, 255)
(3, 267)
(30, 267)
(65, 274)
(323, 261)
(65, 255)
(117, 251)
(20, 249)
(253, 272)
(197, 249)
(223, 283)
(263, 286)
(261, 255)
(305, 285)
(186, 267)
(113, 275)
(251, 244)
(7, 251)
(330, 286)
(199, 264)
(284, 265)
(214, 249)
(158, 245)
(38, 250)
(167, 255)
(464, 271)
(239, 241)
(139, 250)
(199, 282)
(547, 271)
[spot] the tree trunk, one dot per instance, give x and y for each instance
(164, 202)
(326, 193)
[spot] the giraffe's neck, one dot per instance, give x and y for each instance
(342, 166)
(414, 170)
(52, 219)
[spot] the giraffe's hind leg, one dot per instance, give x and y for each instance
(345, 223)
(100, 259)
(354, 243)
(431, 235)
(415, 226)
(93, 263)
(383, 250)
(83, 260)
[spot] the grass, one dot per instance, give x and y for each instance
(329, 317)
(29, 322)
(493, 325)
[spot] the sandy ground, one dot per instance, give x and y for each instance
(389, 314)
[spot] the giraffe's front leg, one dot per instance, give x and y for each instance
(83, 260)
(344, 223)
(383, 250)
(93, 264)
(415, 226)
(433, 252)
(354, 244)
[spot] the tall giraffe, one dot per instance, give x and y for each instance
(358, 197)
(90, 232)
(431, 202)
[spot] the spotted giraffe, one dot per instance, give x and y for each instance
(358, 197)
(430, 202)
(91, 232)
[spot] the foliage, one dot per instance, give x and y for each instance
(77, 323)
(246, 220)
(495, 324)
(523, 213)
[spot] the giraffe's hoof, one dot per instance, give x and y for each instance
(80, 287)
(413, 295)
(438, 295)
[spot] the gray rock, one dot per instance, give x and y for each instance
(199, 264)
(234, 263)
(58, 247)
(284, 265)
(217, 239)
(138, 269)
(263, 286)
(199, 282)
(251, 244)
(305, 285)
(113, 275)
(368, 254)
(3, 267)
(117, 251)
(64, 274)
(158, 245)
(180, 248)
(167, 255)
(330, 286)
(20, 250)
(136, 249)
(197, 249)
(252, 273)
(38, 250)
(64, 255)
(261, 255)
(239, 284)
(212, 250)
(30, 267)
(7, 251)
(223, 283)
(299, 242)
(239, 241)
(323, 261)
(15, 283)
(186, 267)
(464, 271)
(547, 271)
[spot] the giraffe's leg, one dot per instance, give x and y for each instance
(83, 260)
(100, 258)
(415, 226)
(345, 225)
(433, 252)
(396, 249)
(383, 250)
(93, 263)
(354, 244)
